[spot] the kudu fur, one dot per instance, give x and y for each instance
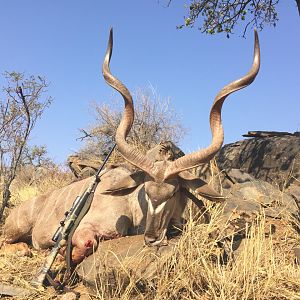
(125, 203)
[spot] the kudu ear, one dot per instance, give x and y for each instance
(125, 183)
(200, 187)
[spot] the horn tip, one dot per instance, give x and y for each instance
(111, 31)
(256, 40)
(255, 34)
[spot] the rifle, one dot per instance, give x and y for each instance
(63, 235)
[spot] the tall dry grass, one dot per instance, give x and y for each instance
(27, 184)
(17, 270)
(260, 269)
(263, 267)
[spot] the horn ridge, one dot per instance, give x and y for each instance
(204, 155)
(130, 153)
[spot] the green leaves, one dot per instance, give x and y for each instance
(188, 21)
(223, 16)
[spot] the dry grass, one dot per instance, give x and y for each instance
(263, 269)
(17, 270)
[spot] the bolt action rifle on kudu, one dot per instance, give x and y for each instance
(64, 233)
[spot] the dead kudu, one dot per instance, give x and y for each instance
(148, 201)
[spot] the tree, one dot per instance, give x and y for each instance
(222, 16)
(154, 121)
(21, 105)
(35, 156)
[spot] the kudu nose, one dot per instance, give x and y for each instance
(149, 239)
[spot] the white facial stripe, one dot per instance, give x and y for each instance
(160, 207)
(156, 210)
(151, 208)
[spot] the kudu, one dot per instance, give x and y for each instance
(149, 200)
(163, 178)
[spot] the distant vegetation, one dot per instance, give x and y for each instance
(22, 102)
(155, 121)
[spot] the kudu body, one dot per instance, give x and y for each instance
(147, 201)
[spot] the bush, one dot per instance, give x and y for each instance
(155, 121)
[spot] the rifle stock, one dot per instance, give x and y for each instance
(39, 278)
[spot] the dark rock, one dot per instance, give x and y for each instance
(239, 176)
(272, 159)
(249, 202)
(269, 133)
(256, 197)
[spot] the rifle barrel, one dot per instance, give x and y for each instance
(105, 160)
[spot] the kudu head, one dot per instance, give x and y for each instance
(164, 177)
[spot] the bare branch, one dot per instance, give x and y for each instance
(86, 135)
(20, 108)
(298, 6)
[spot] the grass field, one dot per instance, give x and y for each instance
(264, 267)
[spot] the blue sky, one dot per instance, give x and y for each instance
(65, 41)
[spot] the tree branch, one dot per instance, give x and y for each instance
(298, 5)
